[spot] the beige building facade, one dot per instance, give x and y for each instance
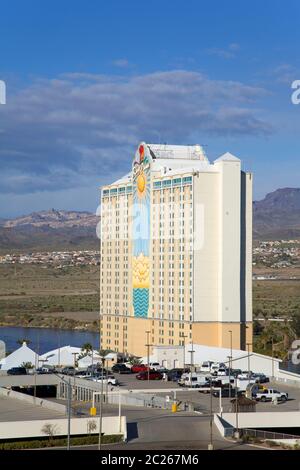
(176, 252)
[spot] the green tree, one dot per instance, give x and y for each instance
(27, 365)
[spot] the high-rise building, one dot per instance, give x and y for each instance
(176, 248)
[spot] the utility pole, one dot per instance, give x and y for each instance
(148, 355)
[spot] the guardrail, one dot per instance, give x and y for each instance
(267, 435)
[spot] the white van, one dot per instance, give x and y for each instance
(205, 366)
(192, 379)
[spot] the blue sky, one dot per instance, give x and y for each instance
(86, 81)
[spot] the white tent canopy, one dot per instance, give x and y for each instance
(64, 356)
(18, 357)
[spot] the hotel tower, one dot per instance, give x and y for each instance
(176, 247)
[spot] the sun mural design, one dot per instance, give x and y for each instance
(141, 232)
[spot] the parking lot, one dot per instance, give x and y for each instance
(131, 383)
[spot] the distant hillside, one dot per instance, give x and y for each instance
(277, 216)
(53, 229)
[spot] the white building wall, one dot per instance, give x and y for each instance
(229, 239)
(206, 246)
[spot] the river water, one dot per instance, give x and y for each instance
(45, 339)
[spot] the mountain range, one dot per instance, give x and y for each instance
(277, 216)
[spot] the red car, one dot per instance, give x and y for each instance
(153, 375)
(139, 368)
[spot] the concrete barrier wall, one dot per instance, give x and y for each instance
(145, 400)
(50, 405)
(224, 428)
(28, 429)
(289, 378)
(282, 419)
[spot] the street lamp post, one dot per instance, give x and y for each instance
(248, 348)
(148, 355)
(192, 357)
(236, 412)
(229, 375)
(272, 357)
(210, 445)
(69, 407)
(184, 336)
(101, 406)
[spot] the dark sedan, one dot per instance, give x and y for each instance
(17, 371)
(121, 369)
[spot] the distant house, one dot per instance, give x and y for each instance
(18, 357)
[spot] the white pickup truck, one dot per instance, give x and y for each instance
(271, 394)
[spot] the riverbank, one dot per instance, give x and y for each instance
(56, 320)
(42, 339)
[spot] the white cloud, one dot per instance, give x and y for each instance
(228, 52)
(61, 133)
(122, 63)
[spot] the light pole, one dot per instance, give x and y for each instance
(69, 397)
(272, 357)
(229, 375)
(148, 355)
(210, 445)
(248, 348)
(236, 412)
(101, 405)
(184, 336)
(192, 357)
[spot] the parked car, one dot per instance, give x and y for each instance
(45, 370)
(235, 372)
(155, 366)
(222, 371)
(153, 375)
(82, 374)
(107, 379)
(261, 378)
(17, 371)
(216, 366)
(136, 368)
(245, 374)
(96, 369)
(271, 394)
(121, 369)
(193, 380)
(226, 392)
(205, 366)
(175, 374)
(68, 370)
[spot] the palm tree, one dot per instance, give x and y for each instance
(86, 347)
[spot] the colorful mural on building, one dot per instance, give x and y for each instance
(141, 231)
